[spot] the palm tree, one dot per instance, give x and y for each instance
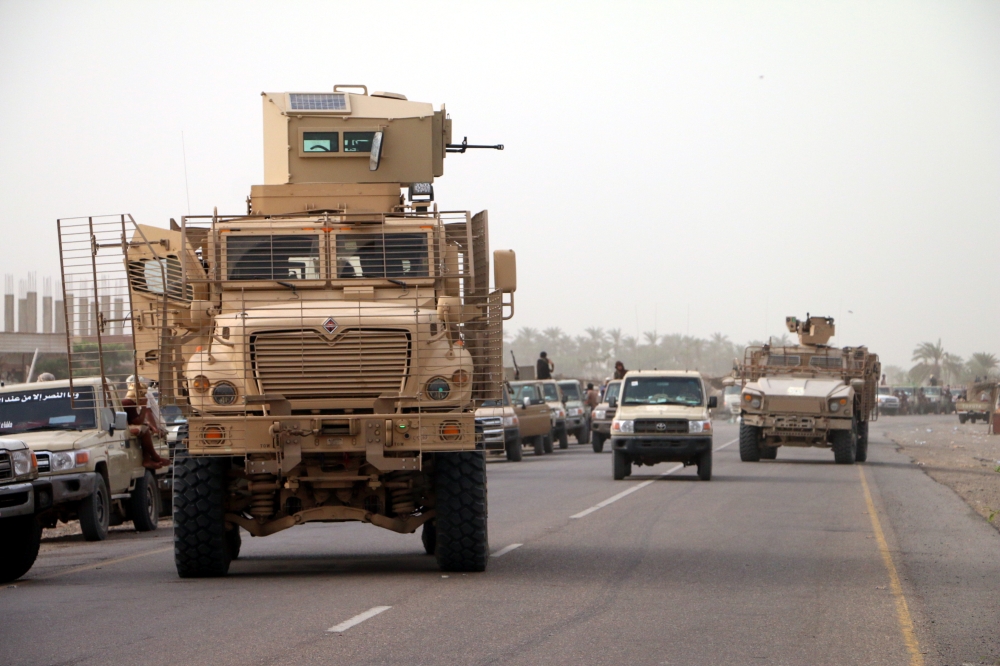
(952, 365)
(930, 354)
(982, 364)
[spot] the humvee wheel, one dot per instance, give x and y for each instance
(428, 536)
(144, 505)
(620, 465)
(845, 445)
(547, 442)
(460, 484)
(768, 452)
(749, 443)
(705, 466)
(597, 442)
(200, 541)
(861, 455)
(563, 439)
(95, 512)
(539, 443)
(21, 537)
(514, 450)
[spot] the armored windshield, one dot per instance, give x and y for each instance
(398, 255)
(662, 391)
(46, 409)
(273, 257)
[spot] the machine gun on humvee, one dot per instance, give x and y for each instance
(329, 347)
(807, 395)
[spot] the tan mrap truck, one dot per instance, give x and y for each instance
(329, 346)
(662, 416)
(20, 531)
(808, 395)
(90, 468)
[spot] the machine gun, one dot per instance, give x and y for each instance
(465, 145)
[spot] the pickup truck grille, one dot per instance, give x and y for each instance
(6, 469)
(359, 363)
(44, 464)
(661, 426)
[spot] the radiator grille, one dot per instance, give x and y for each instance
(44, 463)
(661, 426)
(359, 363)
(6, 469)
(794, 405)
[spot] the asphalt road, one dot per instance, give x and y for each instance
(778, 562)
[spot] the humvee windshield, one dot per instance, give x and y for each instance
(273, 257)
(662, 391)
(398, 255)
(46, 409)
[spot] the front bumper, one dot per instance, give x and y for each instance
(17, 499)
(664, 449)
(575, 422)
(62, 488)
(796, 426)
(603, 427)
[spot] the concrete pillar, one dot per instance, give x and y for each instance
(8, 313)
(22, 315)
(118, 327)
(32, 304)
(59, 315)
(94, 306)
(83, 320)
(70, 318)
(106, 311)
(46, 314)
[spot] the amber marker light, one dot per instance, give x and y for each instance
(213, 435)
(200, 384)
(460, 377)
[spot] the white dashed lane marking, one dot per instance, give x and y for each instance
(506, 549)
(357, 619)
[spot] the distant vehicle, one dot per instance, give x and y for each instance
(603, 414)
(979, 402)
(907, 396)
(20, 531)
(498, 425)
(731, 401)
(662, 417)
(577, 418)
(536, 419)
(932, 394)
(888, 404)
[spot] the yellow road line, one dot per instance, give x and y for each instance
(902, 610)
(102, 563)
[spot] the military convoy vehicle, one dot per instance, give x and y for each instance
(20, 531)
(603, 414)
(808, 395)
(542, 417)
(662, 416)
(498, 425)
(577, 418)
(979, 402)
(329, 346)
(90, 468)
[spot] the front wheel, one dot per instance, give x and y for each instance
(428, 536)
(845, 445)
(705, 466)
(201, 549)
(621, 466)
(962, 418)
(583, 434)
(547, 442)
(514, 449)
(749, 443)
(21, 537)
(95, 512)
(597, 442)
(539, 444)
(461, 536)
(144, 506)
(862, 451)
(563, 439)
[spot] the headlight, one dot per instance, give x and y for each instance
(224, 393)
(623, 426)
(24, 462)
(751, 400)
(598, 414)
(576, 411)
(699, 426)
(837, 404)
(64, 460)
(560, 413)
(509, 421)
(438, 388)
(200, 384)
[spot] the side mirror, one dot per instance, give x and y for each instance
(107, 417)
(376, 152)
(121, 421)
(713, 402)
(613, 402)
(526, 402)
(505, 271)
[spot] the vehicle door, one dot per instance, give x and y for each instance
(120, 448)
(534, 416)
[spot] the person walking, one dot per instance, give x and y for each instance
(620, 370)
(544, 367)
(593, 398)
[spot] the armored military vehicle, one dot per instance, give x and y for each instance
(330, 346)
(808, 395)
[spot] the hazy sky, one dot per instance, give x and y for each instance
(694, 167)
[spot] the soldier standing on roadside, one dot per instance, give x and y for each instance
(544, 367)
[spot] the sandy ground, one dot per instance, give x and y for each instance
(963, 457)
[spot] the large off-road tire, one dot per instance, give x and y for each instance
(460, 486)
(621, 466)
(20, 537)
(144, 505)
(547, 442)
(514, 449)
(563, 439)
(597, 442)
(705, 465)
(749, 443)
(200, 547)
(768, 452)
(428, 536)
(861, 455)
(234, 542)
(845, 445)
(539, 443)
(95, 512)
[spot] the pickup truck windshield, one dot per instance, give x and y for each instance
(662, 391)
(614, 388)
(550, 392)
(570, 390)
(46, 409)
(398, 255)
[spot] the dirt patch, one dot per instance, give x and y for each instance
(963, 457)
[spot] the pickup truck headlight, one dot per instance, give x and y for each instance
(509, 421)
(24, 462)
(623, 426)
(598, 414)
(558, 413)
(575, 411)
(699, 426)
(66, 460)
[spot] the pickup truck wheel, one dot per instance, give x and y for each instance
(749, 443)
(705, 466)
(547, 442)
(514, 449)
(768, 452)
(428, 536)
(144, 505)
(563, 439)
(845, 445)
(234, 542)
(460, 484)
(200, 548)
(597, 442)
(862, 451)
(621, 466)
(539, 443)
(962, 418)
(21, 537)
(95, 512)
(583, 434)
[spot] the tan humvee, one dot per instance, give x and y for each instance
(331, 345)
(808, 395)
